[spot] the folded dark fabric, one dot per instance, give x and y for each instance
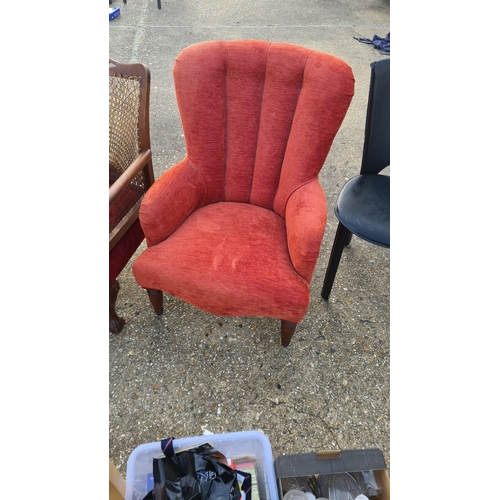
(383, 44)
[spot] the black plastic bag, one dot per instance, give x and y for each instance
(190, 475)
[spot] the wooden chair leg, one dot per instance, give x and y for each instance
(156, 298)
(287, 331)
(348, 240)
(341, 236)
(115, 322)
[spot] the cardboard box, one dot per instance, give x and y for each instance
(116, 483)
(297, 469)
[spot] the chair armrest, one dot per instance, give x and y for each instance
(175, 195)
(126, 177)
(305, 219)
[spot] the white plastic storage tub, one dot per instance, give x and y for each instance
(252, 444)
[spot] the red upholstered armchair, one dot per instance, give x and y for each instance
(235, 228)
(130, 169)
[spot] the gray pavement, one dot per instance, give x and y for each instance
(188, 371)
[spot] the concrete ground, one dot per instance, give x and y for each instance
(188, 371)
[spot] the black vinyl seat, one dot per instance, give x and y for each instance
(363, 204)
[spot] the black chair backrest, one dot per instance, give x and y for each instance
(376, 151)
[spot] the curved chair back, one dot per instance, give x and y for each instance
(376, 151)
(259, 117)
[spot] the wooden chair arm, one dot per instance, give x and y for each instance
(126, 177)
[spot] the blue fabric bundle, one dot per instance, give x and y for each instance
(383, 44)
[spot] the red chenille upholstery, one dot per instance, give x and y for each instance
(235, 228)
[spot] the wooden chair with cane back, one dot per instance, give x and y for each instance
(130, 169)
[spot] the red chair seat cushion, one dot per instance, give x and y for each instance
(121, 205)
(228, 259)
(122, 252)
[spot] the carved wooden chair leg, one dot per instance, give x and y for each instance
(115, 322)
(156, 298)
(287, 331)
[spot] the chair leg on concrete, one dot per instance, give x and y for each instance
(348, 240)
(341, 237)
(115, 322)
(287, 331)
(156, 299)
